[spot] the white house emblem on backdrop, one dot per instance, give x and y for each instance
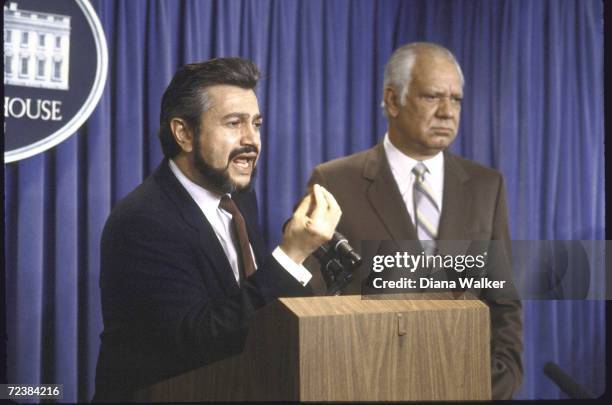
(36, 48)
(55, 67)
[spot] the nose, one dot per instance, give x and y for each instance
(445, 108)
(250, 136)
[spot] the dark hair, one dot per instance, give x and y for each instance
(186, 97)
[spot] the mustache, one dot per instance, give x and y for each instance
(241, 150)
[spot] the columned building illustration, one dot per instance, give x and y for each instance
(36, 48)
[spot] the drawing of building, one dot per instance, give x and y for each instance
(36, 48)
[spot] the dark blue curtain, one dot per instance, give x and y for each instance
(533, 109)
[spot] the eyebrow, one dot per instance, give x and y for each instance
(242, 116)
(441, 92)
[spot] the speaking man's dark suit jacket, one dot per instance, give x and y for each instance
(170, 302)
(473, 208)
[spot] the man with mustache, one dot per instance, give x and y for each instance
(409, 187)
(183, 267)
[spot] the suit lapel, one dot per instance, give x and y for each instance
(193, 217)
(385, 198)
(388, 204)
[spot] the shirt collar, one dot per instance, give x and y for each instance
(206, 199)
(402, 164)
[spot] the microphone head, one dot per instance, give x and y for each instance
(341, 245)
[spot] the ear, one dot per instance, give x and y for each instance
(391, 102)
(183, 135)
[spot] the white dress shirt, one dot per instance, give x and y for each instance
(401, 168)
(221, 222)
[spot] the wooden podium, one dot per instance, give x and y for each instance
(347, 348)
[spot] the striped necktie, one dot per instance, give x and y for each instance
(426, 210)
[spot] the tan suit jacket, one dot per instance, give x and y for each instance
(473, 208)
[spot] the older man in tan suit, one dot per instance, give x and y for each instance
(410, 187)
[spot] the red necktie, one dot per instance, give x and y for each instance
(248, 264)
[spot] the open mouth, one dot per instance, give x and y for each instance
(244, 161)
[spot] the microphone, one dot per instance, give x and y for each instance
(342, 246)
(566, 383)
(337, 258)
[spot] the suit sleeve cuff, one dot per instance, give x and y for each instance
(297, 271)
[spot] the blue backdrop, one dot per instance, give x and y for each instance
(533, 109)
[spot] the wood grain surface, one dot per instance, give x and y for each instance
(351, 349)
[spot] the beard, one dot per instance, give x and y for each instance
(220, 179)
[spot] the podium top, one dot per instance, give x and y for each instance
(356, 304)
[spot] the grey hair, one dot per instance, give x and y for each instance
(398, 71)
(206, 102)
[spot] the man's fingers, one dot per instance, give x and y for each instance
(332, 204)
(313, 223)
(320, 204)
(302, 209)
(327, 208)
(326, 213)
